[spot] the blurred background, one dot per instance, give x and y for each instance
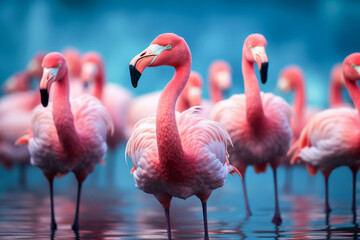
(312, 34)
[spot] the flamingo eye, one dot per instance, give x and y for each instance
(168, 46)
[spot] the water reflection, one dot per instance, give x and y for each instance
(127, 213)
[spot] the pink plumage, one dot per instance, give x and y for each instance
(115, 98)
(145, 105)
(258, 123)
(176, 154)
(68, 135)
(331, 138)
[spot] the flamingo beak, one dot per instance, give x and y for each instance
(49, 76)
(88, 73)
(283, 84)
(144, 60)
(195, 96)
(357, 68)
(224, 80)
(262, 61)
(139, 63)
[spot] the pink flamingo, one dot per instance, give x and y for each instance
(219, 80)
(15, 116)
(21, 81)
(337, 84)
(69, 135)
(258, 123)
(73, 61)
(176, 154)
(145, 105)
(331, 138)
(115, 98)
(292, 79)
(191, 95)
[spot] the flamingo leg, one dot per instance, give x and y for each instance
(167, 215)
(206, 236)
(353, 208)
(327, 205)
(53, 224)
(277, 216)
(248, 212)
(75, 225)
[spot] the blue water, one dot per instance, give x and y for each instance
(118, 210)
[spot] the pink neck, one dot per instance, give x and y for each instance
(167, 134)
(215, 92)
(336, 97)
(254, 109)
(99, 84)
(63, 117)
(182, 103)
(299, 98)
(354, 92)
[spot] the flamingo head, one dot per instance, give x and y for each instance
(17, 82)
(34, 68)
(351, 67)
(92, 68)
(166, 49)
(220, 74)
(55, 68)
(193, 89)
(254, 51)
(289, 78)
(73, 60)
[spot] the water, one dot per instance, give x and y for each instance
(124, 212)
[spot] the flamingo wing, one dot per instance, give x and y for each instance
(329, 135)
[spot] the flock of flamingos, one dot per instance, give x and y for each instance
(177, 148)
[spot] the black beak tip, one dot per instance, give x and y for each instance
(263, 71)
(44, 97)
(135, 75)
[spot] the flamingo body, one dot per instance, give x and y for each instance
(255, 146)
(204, 166)
(332, 137)
(91, 121)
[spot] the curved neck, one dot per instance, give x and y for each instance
(354, 92)
(299, 98)
(99, 85)
(63, 117)
(216, 94)
(254, 109)
(182, 103)
(335, 95)
(167, 134)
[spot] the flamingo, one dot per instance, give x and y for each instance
(191, 95)
(115, 98)
(15, 116)
(145, 105)
(176, 154)
(74, 63)
(337, 84)
(21, 81)
(258, 123)
(219, 80)
(292, 79)
(68, 135)
(331, 138)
